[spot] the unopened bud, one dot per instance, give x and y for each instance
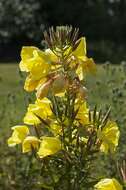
(82, 92)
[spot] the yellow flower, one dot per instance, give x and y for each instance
(82, 114)
(18, 135)
(41, 108)
(37, 63)
(27, 56)
(86, 65)
(49, 146)
(108, 184)
(29, 143)
(109, 136)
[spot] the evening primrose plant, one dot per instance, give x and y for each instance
(59, 129)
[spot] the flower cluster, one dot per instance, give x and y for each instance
(60, 120)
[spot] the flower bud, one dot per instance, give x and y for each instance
(82, 92)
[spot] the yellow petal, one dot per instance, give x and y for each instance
(27, 56)
(81, 49)
(30, 83)
(31, 119)
(51, 55)
(35, 61)
(40, 65)
(108, 184)
(80, 72)
(18, 135)
(41, 109)
(29, 143)
(86, 66)
(89, 66)
(49, 146)
(109, 136)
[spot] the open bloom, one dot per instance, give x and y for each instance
(40, 110)
(108, 184)
(29, 143)
(37, 63)
(49, 146)
(86, 65)
(18, 135)
(109, 136)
